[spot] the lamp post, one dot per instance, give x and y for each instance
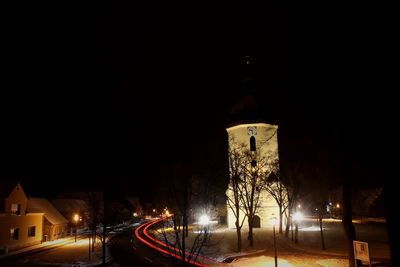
(274, 221)
(76, 219)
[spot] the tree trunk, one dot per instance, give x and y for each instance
(296, 233)
(250, 237)
(291, 226)
(184, 219)
(183, 245)
(104, 244)
(94, 239)
(280, 219)
(321, 231)
(288, 221)
(239, 236)
(347, 222)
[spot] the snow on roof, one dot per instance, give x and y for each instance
(69, 205)
(50, 212)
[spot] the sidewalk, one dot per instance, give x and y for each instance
(63, 252)
(45, 245)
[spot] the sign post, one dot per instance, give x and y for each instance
(361, 252)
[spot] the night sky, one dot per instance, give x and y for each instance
(95, 93)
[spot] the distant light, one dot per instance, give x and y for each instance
(337, 205)
(298, 216)
(154, 210)
(299, 206)
(204, 219)
(135, 214)
(316, 209)
(76, 217)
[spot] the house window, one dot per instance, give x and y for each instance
(252, 143)
(31, 231)
(15, 209)
(14, 233)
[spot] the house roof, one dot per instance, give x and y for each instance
(6, 187)
(50, 212)
(69, 204)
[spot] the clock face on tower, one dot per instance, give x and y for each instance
(252, 130)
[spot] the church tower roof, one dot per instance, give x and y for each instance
(247, 108)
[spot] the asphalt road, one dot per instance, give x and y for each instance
(126, 250)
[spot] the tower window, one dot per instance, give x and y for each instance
(252, 143)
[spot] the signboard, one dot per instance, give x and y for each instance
(361, 252)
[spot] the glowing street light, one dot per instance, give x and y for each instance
(298, 216)
(76, 219)
(204, 219)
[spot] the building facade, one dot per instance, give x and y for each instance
(55, 226)
(19, 227)
(260, 139)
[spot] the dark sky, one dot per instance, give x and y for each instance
(111, 92)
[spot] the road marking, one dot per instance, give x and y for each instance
(148, 259)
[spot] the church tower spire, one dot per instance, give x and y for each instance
(248, 81)
(246, 107)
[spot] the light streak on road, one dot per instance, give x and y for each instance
(177, 251)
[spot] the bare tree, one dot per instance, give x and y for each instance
(321, 177)
(364, 198)
(185, 190)
(234, 193)
(96, 210)
(252, 183)
(292, 179)
(277, 190)
(183, 254)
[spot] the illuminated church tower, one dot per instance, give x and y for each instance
(250, 134)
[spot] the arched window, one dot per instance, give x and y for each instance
(256, 221)
(252, 143)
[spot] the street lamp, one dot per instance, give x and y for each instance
(298, 217)
(274, 222)
(76, 219)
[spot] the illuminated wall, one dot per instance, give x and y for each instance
(266, 139)
(20, 220)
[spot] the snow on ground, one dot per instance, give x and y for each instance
(332, 262)
(262, 261)
(289, 261)
(74, 254)
(307, 253)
